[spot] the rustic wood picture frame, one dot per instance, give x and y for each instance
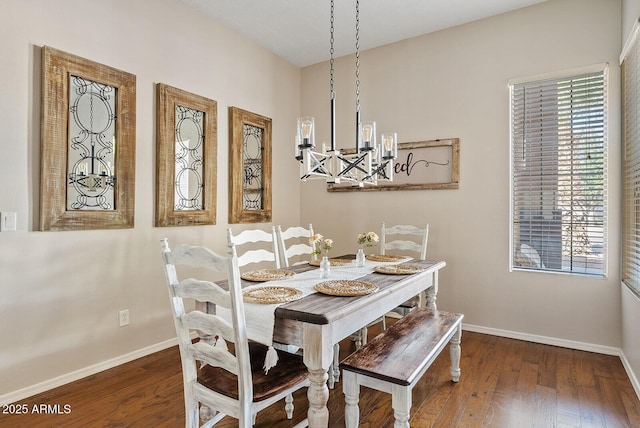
(238, 118)
(167, 214)
(57, 67)
(410, 155)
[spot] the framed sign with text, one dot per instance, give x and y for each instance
(420, 165)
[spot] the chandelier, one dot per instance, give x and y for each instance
(369, 163)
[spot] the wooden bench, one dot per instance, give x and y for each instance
(395, 360)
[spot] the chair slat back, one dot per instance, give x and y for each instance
(209, 349)
(418, 246)
(257, 255)
(299, 246)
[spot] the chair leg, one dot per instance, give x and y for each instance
(454, 353)
(333, 374)
(384, 322)
(192, 413)
(360, 337)
(336, 362)
(288, 406)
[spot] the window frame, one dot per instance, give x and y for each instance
(571, 74)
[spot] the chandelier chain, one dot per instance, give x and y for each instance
(331, 52)
(370, 162)
(357, 55)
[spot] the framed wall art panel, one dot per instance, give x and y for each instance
(249, 167)
(186, 150)
(87, 169)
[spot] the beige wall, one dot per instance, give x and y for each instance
(630, 301)
(630, 14)
(453, 83)
(61, 291)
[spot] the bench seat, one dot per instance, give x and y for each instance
(395, 360)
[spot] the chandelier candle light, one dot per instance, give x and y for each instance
(369, 163)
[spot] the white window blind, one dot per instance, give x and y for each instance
(631, 167)
(559, 181)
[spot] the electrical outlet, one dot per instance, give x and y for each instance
(124, 317)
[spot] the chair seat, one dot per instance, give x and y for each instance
(289, 371)
(411, 303)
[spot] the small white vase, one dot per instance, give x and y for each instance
(360, 258)
(325, 267)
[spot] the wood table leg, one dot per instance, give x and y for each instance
(318, 355)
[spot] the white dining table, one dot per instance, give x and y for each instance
(318, 321)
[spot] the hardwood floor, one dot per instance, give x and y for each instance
(504, 383)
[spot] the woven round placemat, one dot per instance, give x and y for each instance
(346, 287)
(385, 258)
(398, 269)
(334, 262)
(262, 275)
(270, 294)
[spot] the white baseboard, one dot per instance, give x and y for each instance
(545, 340)
(631, 374)
(38, 388)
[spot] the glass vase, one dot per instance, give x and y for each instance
(325, 267)
(360, 258)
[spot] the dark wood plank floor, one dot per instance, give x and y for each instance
(504, 383)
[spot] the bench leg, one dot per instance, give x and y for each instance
(454, 351)
(401, 403)
(351, 391)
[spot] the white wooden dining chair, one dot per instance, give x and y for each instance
(402, 240)
(267, 241)
(395, 238)
(223, 372)
(294, 242)
(267, 252)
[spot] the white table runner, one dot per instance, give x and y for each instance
(260, 318)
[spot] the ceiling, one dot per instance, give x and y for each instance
(298, 30)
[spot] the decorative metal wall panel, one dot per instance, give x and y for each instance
(91, 160)
(252, 165)
(189, 182)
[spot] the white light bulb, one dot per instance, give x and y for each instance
(367, 131)
(306, 126)
(388, 143)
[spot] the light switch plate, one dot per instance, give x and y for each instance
(8, 222)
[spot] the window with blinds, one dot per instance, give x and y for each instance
(558, 171)
(631, 165)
